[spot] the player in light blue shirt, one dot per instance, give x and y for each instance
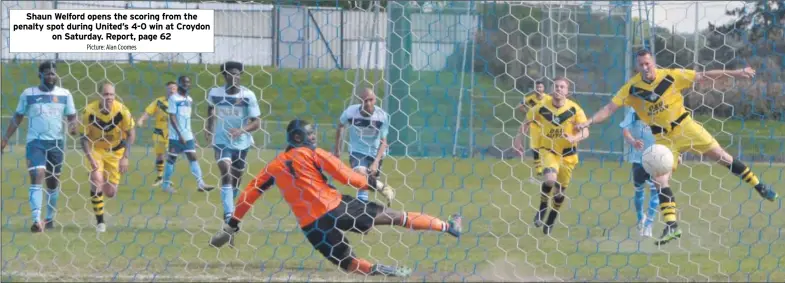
(638, 135)
(45, 106)
(181, 137)
(368, 129)
(232, 114)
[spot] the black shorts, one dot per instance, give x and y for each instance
(639, 175)
(326, 233)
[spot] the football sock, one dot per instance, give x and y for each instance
(196, 171)
(638, 200)
(557, 202)
(159, 167)
(51, 203)
(537, 162)
(418, 221)
(98, 206)
(359, 266)
(227, 200)
(654, 202)
(168, 171)
(741, 170)
(667, 205)
(36, 199)
(544, 196)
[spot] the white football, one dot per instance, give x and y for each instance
(657, 160)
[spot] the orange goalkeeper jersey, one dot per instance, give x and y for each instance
(298, 173)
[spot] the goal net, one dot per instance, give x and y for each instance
(451, 76)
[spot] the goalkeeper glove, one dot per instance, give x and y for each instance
(225, 235)
(386, 191)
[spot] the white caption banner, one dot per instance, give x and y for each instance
(112, 31)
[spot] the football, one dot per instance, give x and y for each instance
(657, 160)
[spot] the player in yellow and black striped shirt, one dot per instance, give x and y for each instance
(107, 134)
(656, 95)
(157, 110)
(558, 140)
(529, 101)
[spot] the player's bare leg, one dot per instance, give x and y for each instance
(668, 208)
(37, 174)
(52, 194)
(738, 168)
(197, 172)
(420, 221)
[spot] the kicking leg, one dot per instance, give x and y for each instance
(668, 208)
(738, 168)
(330, 241)
(419, 221)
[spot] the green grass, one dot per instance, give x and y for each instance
(730, 233)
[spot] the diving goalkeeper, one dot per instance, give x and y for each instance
(323, 213)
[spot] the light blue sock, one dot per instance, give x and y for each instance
(227, 196)
(654, 203)
(51, 203)
(639, 197)
(168, 171)
(36, 198)
(236, 193)
(362, 195)
(196, 171)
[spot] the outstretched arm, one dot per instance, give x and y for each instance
(747, 72)
(600, 116)
(342, 173)
(262, 182)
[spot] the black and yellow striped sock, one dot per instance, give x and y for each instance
(98, 206)
(159, 167)
(545, 195)
(668, 205)
(741, 170)
(558, 200)
(537, 162)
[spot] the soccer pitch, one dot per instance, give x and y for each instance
(730, 233)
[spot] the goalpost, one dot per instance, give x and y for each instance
(451, 75)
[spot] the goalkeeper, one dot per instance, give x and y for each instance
(322, 212)
(655, 94)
